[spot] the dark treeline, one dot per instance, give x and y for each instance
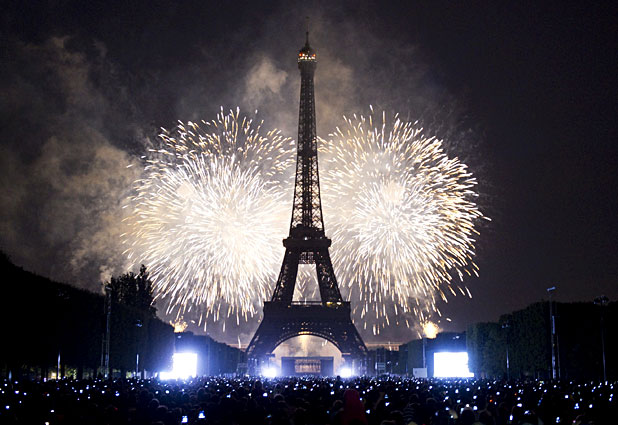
(47, 324)
(525, 334)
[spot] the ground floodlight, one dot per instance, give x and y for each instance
(184, 366)
(269, 372)
(451, 365)
(345, 372)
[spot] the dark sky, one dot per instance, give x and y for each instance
(525, 93)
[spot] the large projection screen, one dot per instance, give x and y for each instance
(451, 365)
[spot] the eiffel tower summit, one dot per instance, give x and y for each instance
(307, 244)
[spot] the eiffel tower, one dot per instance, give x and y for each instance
(306, 244)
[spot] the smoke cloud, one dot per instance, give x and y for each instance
(61, 213)
(80, 107)
(263, 82)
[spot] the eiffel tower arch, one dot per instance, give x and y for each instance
(307, 243)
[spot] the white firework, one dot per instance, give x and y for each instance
(402, 216)
(209, 215)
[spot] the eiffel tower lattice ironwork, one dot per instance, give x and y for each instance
(306, 244)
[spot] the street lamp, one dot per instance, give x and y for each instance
(552, 324)
(138, 325)
(602, 301)
(107, 309)
(506, 326)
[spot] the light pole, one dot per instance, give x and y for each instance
(602, 301)
(138, 325)
(506, 327)
(552, 325)
(107, 309)
(424, 349)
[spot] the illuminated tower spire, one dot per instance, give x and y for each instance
(307, 210)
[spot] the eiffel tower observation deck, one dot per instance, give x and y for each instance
(307, 244)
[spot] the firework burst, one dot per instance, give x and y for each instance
(212, 208)
(209, 214)
(402, 217)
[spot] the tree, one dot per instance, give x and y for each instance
(487, 350)
(134, 291)
(529, 349)
(144, 299)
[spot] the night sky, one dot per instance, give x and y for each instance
(525, 94)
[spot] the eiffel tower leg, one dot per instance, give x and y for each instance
(329, 290)
(284, 291)
(262, 343)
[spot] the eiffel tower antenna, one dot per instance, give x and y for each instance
(307, 243)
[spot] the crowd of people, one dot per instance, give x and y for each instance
(306, 401)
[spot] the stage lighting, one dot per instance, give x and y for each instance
(451, 365)
(345, 372)
(184, 367)
(269, 372)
